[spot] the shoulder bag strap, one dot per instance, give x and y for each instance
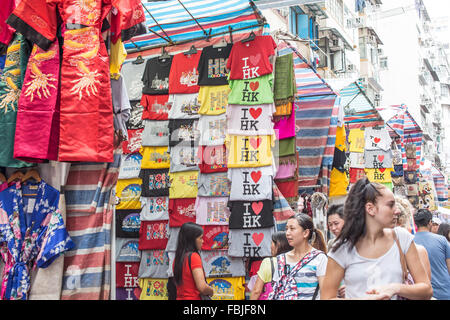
(402, 257)
(316, 292)
(304, 262)
(272, 267)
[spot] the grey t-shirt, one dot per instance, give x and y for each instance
(173, 237)
(213, 185)
(212, 129)
(250, 242)
(154, 264)
(132, 75)
(183, 157)
(121, 105)
(156, 133)
(378, 159)
(251, 184)
(127, 250)
(218, 263)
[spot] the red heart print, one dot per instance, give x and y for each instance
(257, 207)
(254, 85)
(382, 169)
(377, 140)
(258, 238)
(256, 175)
(255, 142)
(255, 112)
(254, 60)
(381, 158)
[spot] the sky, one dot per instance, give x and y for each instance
(437, 8)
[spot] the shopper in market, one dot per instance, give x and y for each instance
(438, 250)
(188, 270)
(444, 230)
(367, 252)
(435, 223)
(263, 286)
(300, 272)
(335, 221)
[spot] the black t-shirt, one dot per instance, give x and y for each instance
(339, 160)
(183, 131)
(128, 223)
(251, 214)
(212, 68)
(155, 182)
(135, 120)
(156, 76)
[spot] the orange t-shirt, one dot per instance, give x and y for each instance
(188, 290)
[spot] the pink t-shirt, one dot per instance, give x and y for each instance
(284, 126)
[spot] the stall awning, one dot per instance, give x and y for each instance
(441, 186)
(176, 21)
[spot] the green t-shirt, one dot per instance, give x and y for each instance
(286, 147)
(252, 91)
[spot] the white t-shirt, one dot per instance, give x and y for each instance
(184, 106)
(212, 130)
(307, 276)
(363, 274)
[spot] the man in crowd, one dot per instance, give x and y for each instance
(438, 253)
(435, 223)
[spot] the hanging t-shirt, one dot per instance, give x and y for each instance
(251, 184)
(357, 160)
(339, 159)
(172, 244)
(283, 109)
(213, 99)
(227, 288)
(181, 211)
(287, 167)
(219, 264)
(132, 76)
(154, 208)
(183, 184)
(213, 130)
(153, 289)
(212, 159)
(184, 106)
(215, 237)
(155, 182)
(212, 210)
(378, 158)
(288, 188)
(286, 147)
(183, 158)
(213, 185)
(155, 157)
(356, 140)
(130, 165)
(156, 76)
(250, 242)
(381, 175)
(377, 139)
(128, 223)
(134, 142)
(251, 214)
(135, 120)
(127, 274)
(153, 235)
(356, 174)
(154, 264)
(128, 194)
(284, 126)
(212, 67)
(249, 151)
(128, 294)
(156, 133)
(338, 183)
(252, 92)
(183, 76)
(183, 131)
(127, 250)
(250, 120)
(156, 107)
(252, 59)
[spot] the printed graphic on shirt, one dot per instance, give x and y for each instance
(212, 211)
(251, 214)
(134, 142)
(213, 65)
(219, 264)
(251, 183)
(155, 157)
(156, 107)
(250, 242)
(127, 250)
(128, 223)
(356, 140)
(213, 159)
(252, 92)
(213, 185)
(156, 133)
(377, 139)
(128, 194)
(378, 159)
(130, 166)
(154, 264)
(212, 130)
(184, 106)
(157, 231)
(128, 293)
(183, 158)
(183, 131)
(357, 160)
(381, 175)
(227, 288)
(127, 274)
(213, 99)
(155, 183)
(249, 151)
(135, 120)
(183, 184)
(153, 289)
(153, 235)
(215, 237)
(154, 208)
(181, 211)
(160, 83)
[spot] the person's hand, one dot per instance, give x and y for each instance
(383, 292)
(341, 292)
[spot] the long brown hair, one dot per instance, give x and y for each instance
(306, 223)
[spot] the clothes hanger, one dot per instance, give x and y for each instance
(32, 174)
(192, 50)
(164, 54)
(2, 178)
(222, 44)
(18, 175)
(139, 60)
(251, 37)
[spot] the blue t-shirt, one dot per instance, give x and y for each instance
(438, 252)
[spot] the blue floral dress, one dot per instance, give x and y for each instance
(32, 233)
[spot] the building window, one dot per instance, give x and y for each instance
(302, 25)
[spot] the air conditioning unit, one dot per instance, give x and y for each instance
(336, 44)
(351, 67)
(359, 22)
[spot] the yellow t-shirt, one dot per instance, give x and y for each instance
(356, 140)
(265, 269)
(155, 157)
(117, 57)
(227, 288)
(340, 138)
(128, 193)
(338, 183)
(153, 289)
(183, 184)
(379, 175)
(213, 99)
(249, 151)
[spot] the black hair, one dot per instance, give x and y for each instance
(422, 217)
(336, 209)
(362, 192)
(444, 229)
(189, 232)
(306, 223)
(281, 243)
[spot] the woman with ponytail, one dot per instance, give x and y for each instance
(300, 271)
(368, 253)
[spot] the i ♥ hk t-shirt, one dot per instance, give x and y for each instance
(250, 242)
(249, 151)
(251, 184)
(252, 91)
(251, 214)
(250, 120)
(251, 59)
(183, 76)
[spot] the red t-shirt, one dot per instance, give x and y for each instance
(127, 274)
(188, 290)
(134, 142)
(215, 237)
(181, 211)
(289, 188)
(153, 235)
(251, 59)
(212, 159)
(183, 76)
(156, 107)
(356, 174)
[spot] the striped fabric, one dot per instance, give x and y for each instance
(441, 187)
(89, 203)
(214, 16)
(281, 209)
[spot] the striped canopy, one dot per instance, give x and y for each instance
(441, 186)
(169, 19)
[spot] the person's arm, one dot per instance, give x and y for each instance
(448, 265)
(423, 255)
(329, 284)
(257, 289)
(200, 282)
